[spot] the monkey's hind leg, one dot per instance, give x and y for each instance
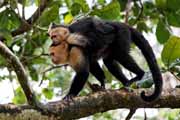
(128, 62)
(115, 69)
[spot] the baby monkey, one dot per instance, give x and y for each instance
(84, 42)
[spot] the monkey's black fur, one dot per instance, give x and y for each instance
(111, 42)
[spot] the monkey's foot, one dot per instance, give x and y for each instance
(68, 97)
(96, 87)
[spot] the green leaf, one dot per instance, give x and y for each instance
(75, 9)
(84, 5)
(33, 73)
(37, 2)
(110, 11)
(49, 15)
(2, 62)
(19, 97)
(48, 93)
(173, 4)
(55, 83)
(39, 60)
(9, 20)
(171, 51)
(123, 4)
(14, 20)
(161, 3)
(147, 81)
(173, 18)
(68, 18)
(68, 3)
(101, 2)
(150, 10)
(142, 26)
(108, 75)
(39, 37)
(7, 35)
(4, 21)
(162, 33)
(29, 47)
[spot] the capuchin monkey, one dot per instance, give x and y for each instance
(84, 42)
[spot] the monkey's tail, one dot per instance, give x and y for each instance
(147, 51)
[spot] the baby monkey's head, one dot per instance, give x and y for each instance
(58, 33)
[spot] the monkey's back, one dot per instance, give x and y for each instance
(103, 36)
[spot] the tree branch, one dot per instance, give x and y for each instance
(26, 25)
(20, 71)
(140, 13)
(93, 103)
(38, 12)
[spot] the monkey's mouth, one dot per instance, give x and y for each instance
(54, 44)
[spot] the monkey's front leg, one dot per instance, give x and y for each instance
(97, 71)
(80, 64)
(77, 84)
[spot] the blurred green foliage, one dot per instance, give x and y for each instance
(157, 17)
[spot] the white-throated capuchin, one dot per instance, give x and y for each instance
(82, 43)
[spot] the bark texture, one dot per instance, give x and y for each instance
(88, 105)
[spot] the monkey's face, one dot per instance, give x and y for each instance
(58, 34)
(59, 54)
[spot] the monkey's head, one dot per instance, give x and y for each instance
(58, 33)
(59, 53)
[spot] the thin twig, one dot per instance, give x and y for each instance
(175, 76)
(145, 115)
(49, 69)
(17, 7)
(140, 13)
(128, 8)
(38, 12)
(35, 57)
(131, 113)
(54, 67)
(23, 9)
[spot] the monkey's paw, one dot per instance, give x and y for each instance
(69, 97)
(96, 87)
